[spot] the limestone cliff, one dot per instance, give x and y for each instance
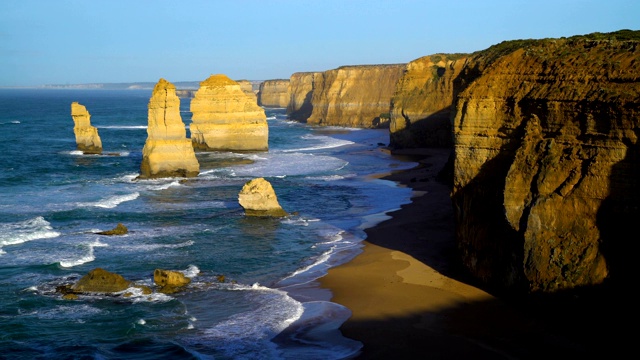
(355, 96)
(225, 118)
(247, 88)
(422, 103)
(87, 138)
(547, 162)
(274, 93)
(301, 87)
(167, 151)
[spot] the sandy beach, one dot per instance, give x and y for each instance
(409, 299)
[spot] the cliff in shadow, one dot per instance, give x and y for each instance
(301, 87)
(421, 105)
(354, 96)
(546, 161)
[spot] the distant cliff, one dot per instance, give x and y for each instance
(354, 96)
(274, 93)
(546, 180)
(301, 87)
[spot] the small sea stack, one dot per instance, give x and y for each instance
(87, 138)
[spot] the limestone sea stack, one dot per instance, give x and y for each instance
(167, 152)
(87, 138)
(225, 118)
(258, 198)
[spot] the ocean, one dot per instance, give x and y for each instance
(53, 200)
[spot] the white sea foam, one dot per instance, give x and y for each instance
(165, 185)
(112, 201)
(271, 117)
(151, 247)
(289, 164)
(23, 231)
(125, 127)
(88, 256)
(191, 271)
(251, 331)
(325, 142)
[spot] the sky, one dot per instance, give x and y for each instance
(45, 42)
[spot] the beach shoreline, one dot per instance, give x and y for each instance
(408, 298)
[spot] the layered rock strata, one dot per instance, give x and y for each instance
(546, 185)
(167, 151)
(225, 118)
(422, 104)
(247, 88)
(87, 138)
(258, 198)
(301, 87)
(355, 96)
(274, 93)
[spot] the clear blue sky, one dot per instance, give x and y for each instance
(99, 41)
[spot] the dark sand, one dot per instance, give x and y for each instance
(410, 300)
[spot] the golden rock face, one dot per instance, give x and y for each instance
(301, 86)
(421, 105)
(354, 96)
(167, 151)
(258, 198)
(274, 93)
(546, 148)
(87, 138)
(225, 118)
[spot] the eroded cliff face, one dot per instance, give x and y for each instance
(422, 103)
(225, 118)
(301, 86)
(274, 93)
(167, 151)
(354, 96)
(247, 88)
(547, 162)
(87, 138)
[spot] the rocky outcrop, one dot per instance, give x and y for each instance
(87, 138)
(355, 96)
(274, 93)
(120, 229)
(301, 87)
(167, 151)
(546, 185)
(258, 198)
(225, 118)
(170, 281)
(422, 104)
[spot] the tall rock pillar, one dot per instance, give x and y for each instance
(167, 152)
(87, 138)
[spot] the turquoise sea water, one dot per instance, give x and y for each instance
(53, 199)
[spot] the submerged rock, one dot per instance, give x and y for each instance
(118, 230)
(258, 198)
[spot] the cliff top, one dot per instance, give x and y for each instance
(218, 80)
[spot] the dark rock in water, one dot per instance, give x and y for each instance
(100, 281)
(118, 230)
